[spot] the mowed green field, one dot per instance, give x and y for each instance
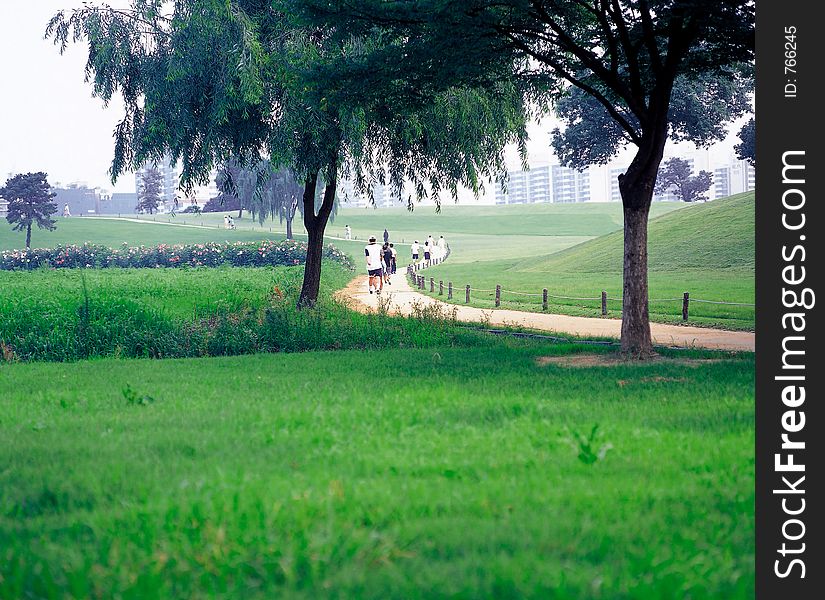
(114, 232)
(460, 472)
(706, 250)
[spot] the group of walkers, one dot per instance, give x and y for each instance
(431, 250)
(382, 260)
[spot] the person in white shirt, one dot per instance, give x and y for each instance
(348, 232)
(373, 253)
(442, 247)
(415, 248)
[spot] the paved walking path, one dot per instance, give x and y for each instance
(402, 298)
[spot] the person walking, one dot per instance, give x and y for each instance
(66, 211)
(386, 236)
(442, 247)
(387, 263)
(348, 232)
(427, 252)
(414, 247)
(394, 258)
(372, 251)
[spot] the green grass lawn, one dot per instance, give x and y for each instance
(114, 232)
(406, 473)
(706, 250)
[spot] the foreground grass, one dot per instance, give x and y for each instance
(402, 473)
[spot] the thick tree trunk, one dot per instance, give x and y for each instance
(289, 227)
(315, 226)
(29, 236)
(636, 187)
(240, 212)
(636, 338)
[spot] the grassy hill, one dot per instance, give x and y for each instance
(716, 235)
(705, 249)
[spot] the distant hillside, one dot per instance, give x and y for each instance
(717, 234)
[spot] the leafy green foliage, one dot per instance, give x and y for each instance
(676, 173)
(30, 202)
(746, 148)
(135, 399)
(149, 191)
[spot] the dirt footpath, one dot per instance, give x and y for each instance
(402, 297)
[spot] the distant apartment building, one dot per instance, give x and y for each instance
(4, 208)
(543, 184)
(734, 178)
(382, 196)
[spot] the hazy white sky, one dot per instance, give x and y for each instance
(50, 122)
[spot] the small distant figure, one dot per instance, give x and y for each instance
(348, 232)
(226, 221)
(415, 250)
(427, 252)
(231, 223)
(386, 236)
(442, 247)
(66, 211)
(394, 253)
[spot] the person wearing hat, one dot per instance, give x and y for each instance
(373, 253)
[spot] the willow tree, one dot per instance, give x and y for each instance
(251, 78)
(620, 72)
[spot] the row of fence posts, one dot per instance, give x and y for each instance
(421, 283)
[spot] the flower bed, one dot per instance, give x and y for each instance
(210, 254)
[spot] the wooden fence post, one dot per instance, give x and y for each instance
(467, 295)
(498, 295)
(440, 287)
(544, 299)
(604, 302)
(685, 303)
(432, 285)
(450, 291)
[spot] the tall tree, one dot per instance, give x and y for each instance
(247, 78)
(149, 191)
(30, 201)
(676, 174)
(746, 148)
(640, 68)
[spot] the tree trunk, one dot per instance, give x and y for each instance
(240, 212)
(290, 214)
(315, 226)
(636, 338)
(636, 187)
(29, 236)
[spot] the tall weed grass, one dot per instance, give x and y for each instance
(48, 316)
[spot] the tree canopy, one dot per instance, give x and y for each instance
(30, 202)
(216, 79)
(150, 187)
(676, 174)
(746, 148)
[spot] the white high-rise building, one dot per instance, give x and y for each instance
(546, 183)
